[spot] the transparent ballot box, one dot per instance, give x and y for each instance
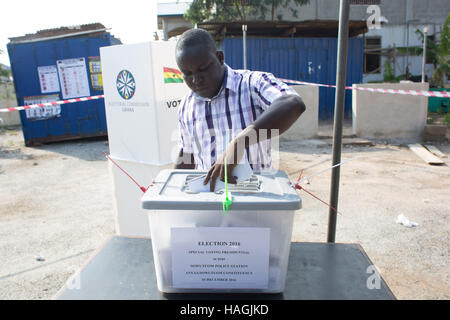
(200, 247)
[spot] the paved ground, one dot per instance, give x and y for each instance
(57, 208)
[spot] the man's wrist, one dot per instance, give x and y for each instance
(248, 136)
(238, 146)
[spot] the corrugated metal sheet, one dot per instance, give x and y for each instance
(80, 119)
(60, 32)
(303, 59)
(283, 29)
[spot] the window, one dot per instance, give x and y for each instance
(428, 58)
(372, 55)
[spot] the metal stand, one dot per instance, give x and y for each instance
(338, 115)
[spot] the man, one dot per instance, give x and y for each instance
(246, 104)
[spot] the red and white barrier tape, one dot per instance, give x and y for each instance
(46, 104)
(439, 94)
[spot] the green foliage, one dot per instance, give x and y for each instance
(412, 51)
(443, 56)
(198, 11)
(432, 48)
(447, 119)
(222, 10)
(438, 52)
(274, 4)
(238, 10)
(4, 72)
(388, 75)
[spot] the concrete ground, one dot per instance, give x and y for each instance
(57, 208)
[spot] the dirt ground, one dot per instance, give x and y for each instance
(57, 208)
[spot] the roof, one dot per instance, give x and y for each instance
(173, 8)
(92, 28)
(304, 29)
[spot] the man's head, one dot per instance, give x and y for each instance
(200, 62)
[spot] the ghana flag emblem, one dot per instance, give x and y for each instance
(172, 75)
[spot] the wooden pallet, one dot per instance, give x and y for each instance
(435, 150)
(426, 155)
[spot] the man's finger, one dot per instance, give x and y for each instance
(208, 175)
(232, 179)
(222, 173)
(212, 182)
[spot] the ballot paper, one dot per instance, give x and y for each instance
(242, 172)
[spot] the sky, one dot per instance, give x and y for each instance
(130, 20)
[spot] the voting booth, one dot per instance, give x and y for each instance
(143, 89)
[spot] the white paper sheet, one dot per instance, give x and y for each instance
(73, 78)
(213, 257)
(42, 113)
(48, 79)
(242, 171)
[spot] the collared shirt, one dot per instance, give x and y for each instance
(243, 97)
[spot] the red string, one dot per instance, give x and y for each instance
(300, 176)
(140, 187)
(298, 186)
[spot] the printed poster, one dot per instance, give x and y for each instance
(95, 69)
(95, 65)
(97, 81)
(48, 79)
(42, 113)
(73, 78)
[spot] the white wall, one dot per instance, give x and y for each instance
(386, 115)
(8, 100)
(397, 35)
(307, 125)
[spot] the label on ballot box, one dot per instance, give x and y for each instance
(220, 257)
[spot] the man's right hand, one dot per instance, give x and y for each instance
(233, 157)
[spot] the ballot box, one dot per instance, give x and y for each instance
(200, 247)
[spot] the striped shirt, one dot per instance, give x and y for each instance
(243, 97)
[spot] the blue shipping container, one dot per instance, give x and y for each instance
(303, 59)
(75, 120)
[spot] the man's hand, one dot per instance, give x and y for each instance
(233, 157)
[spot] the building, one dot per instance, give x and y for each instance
(171, 20)
(392, 24)
(402, 20)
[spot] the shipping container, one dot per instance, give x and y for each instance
(303, 59)
(54, 65)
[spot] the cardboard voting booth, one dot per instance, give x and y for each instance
(143, 89)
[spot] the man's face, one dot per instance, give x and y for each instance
(202, 69)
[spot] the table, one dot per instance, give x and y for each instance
(122, 268)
